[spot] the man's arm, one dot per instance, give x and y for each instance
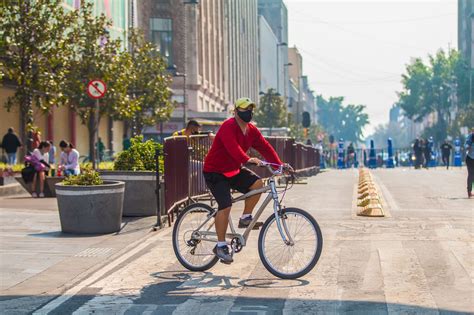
(264, 148)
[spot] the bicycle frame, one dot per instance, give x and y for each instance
(272, 194)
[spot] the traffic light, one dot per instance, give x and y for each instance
(306, 120)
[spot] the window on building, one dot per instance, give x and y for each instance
(162, 37)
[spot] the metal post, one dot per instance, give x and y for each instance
(96, 135)
(158, 186)
(278, 67)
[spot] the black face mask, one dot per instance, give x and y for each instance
(246, 116)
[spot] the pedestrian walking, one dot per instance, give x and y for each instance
(418, 152)
(446, 153)
(41, 165)
(426, 152)
(350, 155)
(470, 162)
(11, 143)
(100, 149)
(69, 159)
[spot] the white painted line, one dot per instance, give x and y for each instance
(89, 192)
(134, 249)
(151, 177)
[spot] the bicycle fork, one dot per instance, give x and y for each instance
(281, 224)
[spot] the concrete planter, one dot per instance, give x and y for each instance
(140, 196)
(91, 209)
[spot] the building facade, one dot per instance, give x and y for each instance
(276, 15)
(242, 48)
(267, 56)
(301, 97)
(466, 30)
(213, 47)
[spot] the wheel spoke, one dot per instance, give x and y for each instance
(291, 259)
(188, 223)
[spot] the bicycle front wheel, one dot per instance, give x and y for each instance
(193, 253)
(290, 261)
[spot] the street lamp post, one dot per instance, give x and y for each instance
(284, 80)
(278, 63)
(185, 24)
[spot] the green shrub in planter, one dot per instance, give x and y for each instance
(139, 157)
(88, 177)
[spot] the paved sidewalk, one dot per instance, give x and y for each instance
(36, 258)
(418, 260)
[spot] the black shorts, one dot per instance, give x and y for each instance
(220, 186)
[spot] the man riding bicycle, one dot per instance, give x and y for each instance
(223, 169)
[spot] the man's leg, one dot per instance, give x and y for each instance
(222, 221)
(251, 202)
(470, 173)
(10, 158)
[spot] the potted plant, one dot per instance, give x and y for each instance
(89, 205)
(136, 167)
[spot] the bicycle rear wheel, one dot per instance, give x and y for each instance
(192, 253)
(290, 261)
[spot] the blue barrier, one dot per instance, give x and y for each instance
(457, 152)
(340, 156)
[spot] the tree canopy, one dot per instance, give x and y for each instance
(35, 50)
(271, 111)
(341, 121)
(441, 86)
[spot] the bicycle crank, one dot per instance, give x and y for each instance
(236, 245)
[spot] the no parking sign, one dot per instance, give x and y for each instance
(96, 89)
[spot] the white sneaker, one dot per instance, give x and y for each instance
(34, 195)
(41, 195)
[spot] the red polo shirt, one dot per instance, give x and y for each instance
(228, 151)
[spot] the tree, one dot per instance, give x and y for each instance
(271, 112)
(392, 130)
(341, 121)
(438, 86)
(97, 56)
(149, 83)
(35, 49)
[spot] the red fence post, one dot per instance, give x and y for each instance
(176, 168)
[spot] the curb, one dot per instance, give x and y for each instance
(11, 190)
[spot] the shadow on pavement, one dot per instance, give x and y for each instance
(217, 294)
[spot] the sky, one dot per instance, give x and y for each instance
(359, 49)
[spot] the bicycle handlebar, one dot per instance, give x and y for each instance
(280, 170)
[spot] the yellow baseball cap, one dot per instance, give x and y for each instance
(244, 102)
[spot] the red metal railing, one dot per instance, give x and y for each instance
(184, 160)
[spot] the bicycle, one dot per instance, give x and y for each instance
(289, 244)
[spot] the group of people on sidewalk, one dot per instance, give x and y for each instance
(423, 150)
(41, 160)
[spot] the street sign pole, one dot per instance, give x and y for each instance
(96, 89)
(95, 165)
